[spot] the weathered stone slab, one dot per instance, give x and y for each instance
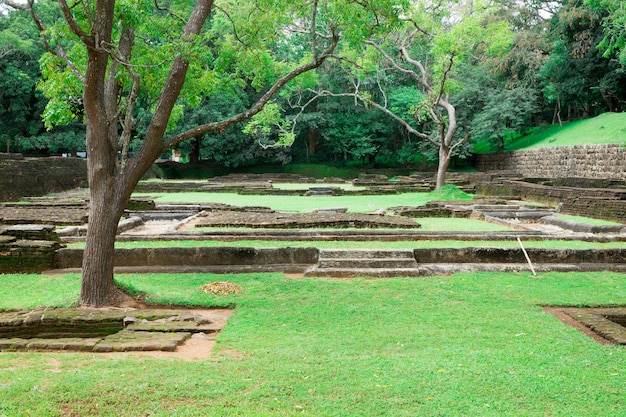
(128, 340)
(31, 232)
(13, 343)
(43, 214)
(302, 220)
(191, 326)
(330, 210)
(66, 343)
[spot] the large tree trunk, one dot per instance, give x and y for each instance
(98, 288)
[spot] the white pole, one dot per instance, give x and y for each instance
(527, 258)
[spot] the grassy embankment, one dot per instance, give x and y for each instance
(605, 128)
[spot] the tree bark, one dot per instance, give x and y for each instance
(194, 155)
(98, 287)
(442, 168)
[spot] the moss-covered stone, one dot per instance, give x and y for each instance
(101, 330)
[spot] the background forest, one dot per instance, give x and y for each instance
(518, 65)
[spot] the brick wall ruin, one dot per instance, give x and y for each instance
(26, 177)
(584, 161)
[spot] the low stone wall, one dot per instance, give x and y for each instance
(26, 177)
(29, 248)
(198, 256)
(584, 161)
(515, 255)
(235, 259)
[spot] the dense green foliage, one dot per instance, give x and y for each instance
(565, 62)
(470, 344)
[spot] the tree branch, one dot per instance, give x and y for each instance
(169, 11)
(439, 101)
(366, 102)
(232, 23)
(395, 65)
(221, 126)
(313, 30)
(87, 39)
(424, 78)
(459, 143)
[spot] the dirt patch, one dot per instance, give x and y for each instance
(191, 350)
(221, 288)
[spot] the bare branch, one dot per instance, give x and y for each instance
(417, 27)
(382, 91)
(232, 23)
(446, 73)
(313, 31)
(16, 6)
(424, 78)
(169, 11)
(459, 143)
(395, 65)
(385, 110)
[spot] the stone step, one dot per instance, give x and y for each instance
(444, 269)
(387, 263)
(365, 254)
(496, 207)
(363, 272)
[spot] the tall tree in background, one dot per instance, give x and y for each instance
(614, 23)
(576, 77)
(116, 51)
(20, 102)
(427, 50)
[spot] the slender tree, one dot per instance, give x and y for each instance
(427, 50)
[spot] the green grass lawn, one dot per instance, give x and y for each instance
(605, 128)
(429, 224)
(306, 186)
(466, 345)
(359, 203)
